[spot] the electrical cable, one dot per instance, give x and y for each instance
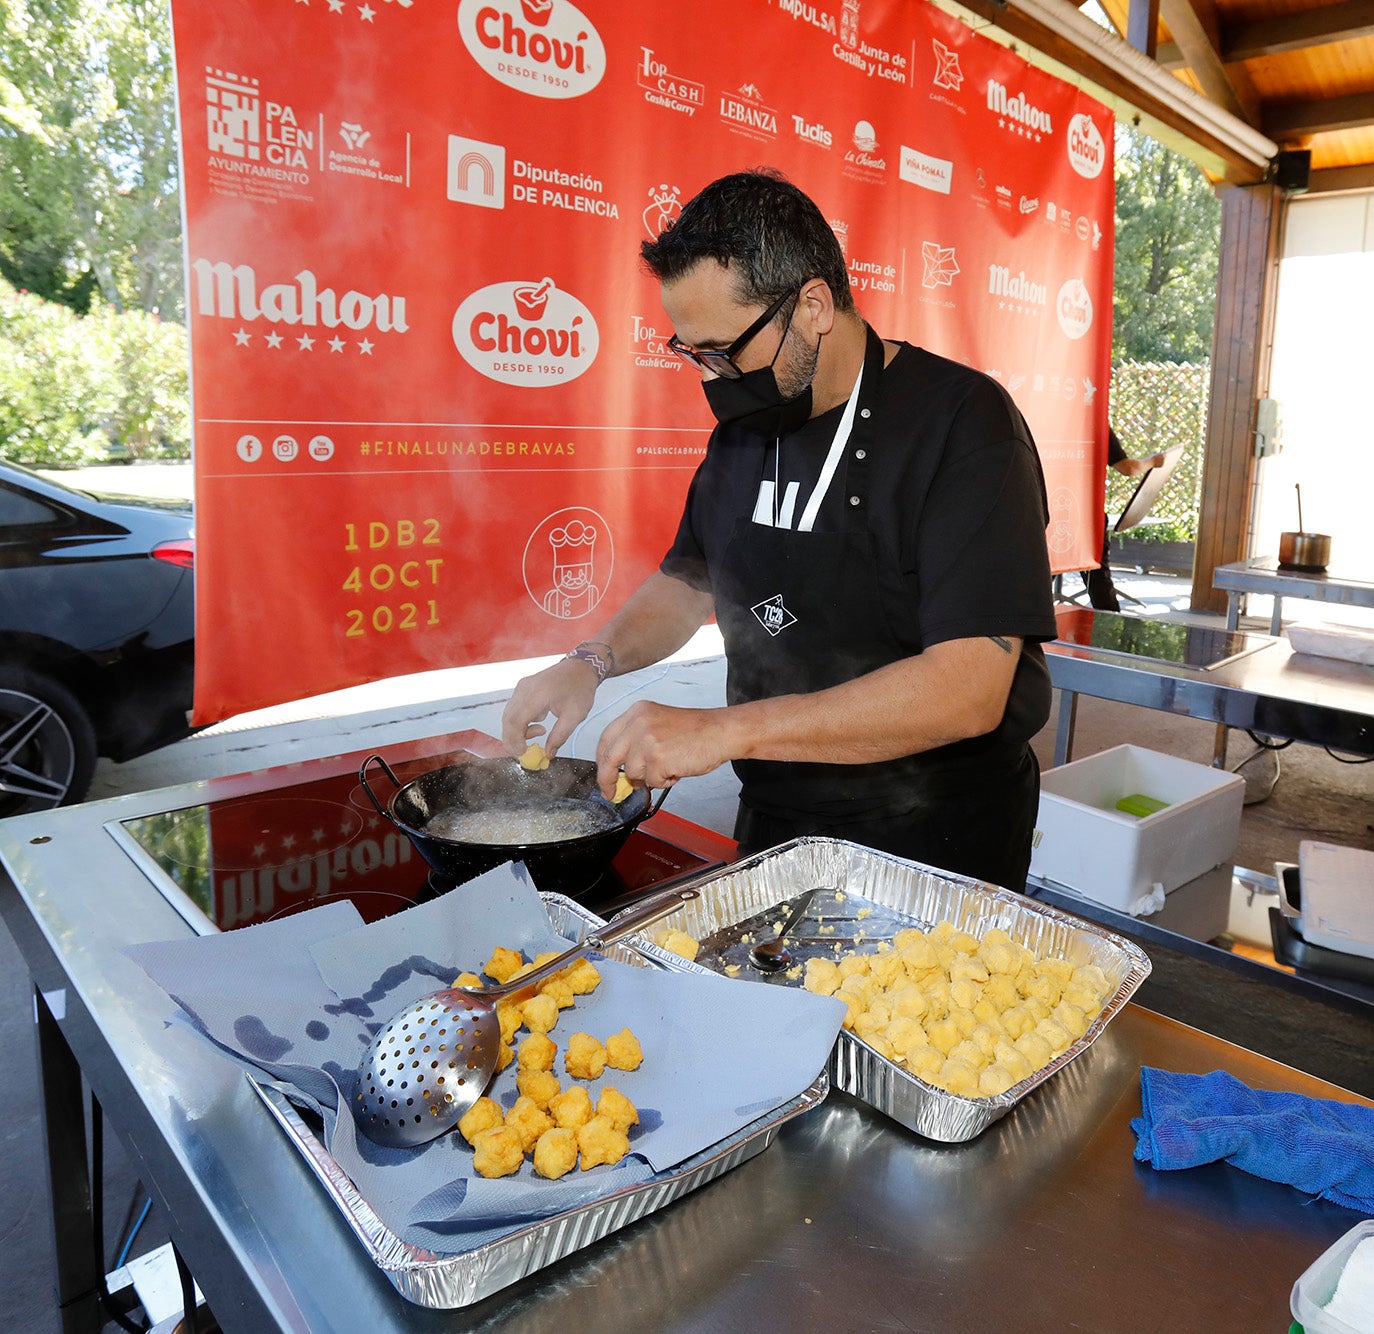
(1340, 759)
(103, 1298)
(128, 1245)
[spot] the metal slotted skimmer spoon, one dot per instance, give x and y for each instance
(434, 1059)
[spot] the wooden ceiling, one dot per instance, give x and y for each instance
(1232, 83)
(1299, 71)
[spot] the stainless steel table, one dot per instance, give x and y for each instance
(1043, 1223)
(1272, 690)
(1262, 575)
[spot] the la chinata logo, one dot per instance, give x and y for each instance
(547, 48)
(526, 333)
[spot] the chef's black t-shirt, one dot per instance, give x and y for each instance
(956, 507)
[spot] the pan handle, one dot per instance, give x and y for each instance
(367, 787)
(656, 803)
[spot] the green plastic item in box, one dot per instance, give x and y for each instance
(1138, 804)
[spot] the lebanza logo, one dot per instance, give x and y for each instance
(1087, 151)
(547, 48)
(1074, 307)
(525, 333)
(772, 615)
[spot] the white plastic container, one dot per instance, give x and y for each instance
(1125, 861)
(1317, 1285)
(1350, 643)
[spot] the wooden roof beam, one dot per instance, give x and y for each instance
(1197, 31)
(1343, 22)
(1297, 120)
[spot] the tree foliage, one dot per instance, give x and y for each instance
(89, 199)
(1168, 224)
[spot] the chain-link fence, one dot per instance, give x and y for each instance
(1155, 405)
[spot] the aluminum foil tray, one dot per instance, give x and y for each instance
(865, 897)
(432, 1279)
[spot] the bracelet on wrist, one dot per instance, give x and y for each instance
(599, 655)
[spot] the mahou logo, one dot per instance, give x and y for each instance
(547, 48)
(1087, 151)
(1074, 308)
(525, 333)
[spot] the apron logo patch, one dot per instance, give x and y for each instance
(772, 615)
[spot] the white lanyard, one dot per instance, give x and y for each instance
(832, 459)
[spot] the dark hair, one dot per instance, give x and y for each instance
(771, 234)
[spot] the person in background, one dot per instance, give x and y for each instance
(868, 529)
(1101, 590)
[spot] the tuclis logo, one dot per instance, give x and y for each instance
(547, 48)
(1074, 308)
(524, 333)
(1087, 150)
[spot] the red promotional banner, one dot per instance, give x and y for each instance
(436, 421)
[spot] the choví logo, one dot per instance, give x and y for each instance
(1087, 150)
(1074, 308)
(547, 48)
(525, 333)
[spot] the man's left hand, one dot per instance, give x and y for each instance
(657, 744)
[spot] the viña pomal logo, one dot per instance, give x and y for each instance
(526, 333)
(547, 48)
(1074, 308)
(1087, 149)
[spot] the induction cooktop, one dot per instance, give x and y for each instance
(1198, 646)
(237, 861)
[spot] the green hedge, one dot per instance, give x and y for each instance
(77, 388)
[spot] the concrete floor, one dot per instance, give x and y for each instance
(1315, 792)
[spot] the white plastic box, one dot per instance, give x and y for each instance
(1088, 845)
(1317, 1285)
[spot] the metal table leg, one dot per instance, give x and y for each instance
(1063, 732)
(1276, 619)
(1233, 609)
(64, 1129)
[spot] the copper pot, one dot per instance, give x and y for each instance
(1309, 552)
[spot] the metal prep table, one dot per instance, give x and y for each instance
(1263, 575)
(1042, 1223)
(1271, 689)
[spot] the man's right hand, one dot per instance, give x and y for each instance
(565, 690)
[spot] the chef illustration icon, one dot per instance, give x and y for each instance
(574, 592)
(568, 559)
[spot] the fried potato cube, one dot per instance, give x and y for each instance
(822, 977)
(964, 994)
(908, 1002)
(498, 1152)
(987, 1013)
(541, 1087)
(585, 1057)
(623, 788)
(529, 1120)
(993, 1080)
(1059, 1037)
(1016, 1019)
(925, 1062)
(616, 1108)
(505, 1054)
(539, 1013)
(918, 954)
(871, 1023)
(967, 966)
(885, 968)
(467, 980)
(571, 1108)
(584, 977)
(623, 1051)
(943, 1035)
(1013, 1061)
(1087, 1000)
(958, 1078)
(600, 1143)
(678, 942)
(1043, 985)
(904, 1035)
(986, 1037)
(969, 1053)
(856, 1009)
(555, 1154)
(964, 943)
(853, 965)
(503, 964)
(534, 757)
(1072, 1017)
(1001, 991)
(1035, 1048)
(964, 1020)
(537, 1052)
(483, 1115)
(559, 989)
(941, 932)
(509, 1016)
(1090, 975)
(999, 958)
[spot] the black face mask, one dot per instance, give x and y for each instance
(755, 402)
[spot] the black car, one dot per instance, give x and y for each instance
(97, 634)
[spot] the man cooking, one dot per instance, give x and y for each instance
(868, 529)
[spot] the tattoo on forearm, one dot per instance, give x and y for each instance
(1003, 644)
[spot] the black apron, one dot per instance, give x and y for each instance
(801, 612)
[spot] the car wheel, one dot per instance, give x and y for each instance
(47, 743)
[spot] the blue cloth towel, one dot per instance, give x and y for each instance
(1323, 1147)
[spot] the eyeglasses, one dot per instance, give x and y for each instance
(720, 361)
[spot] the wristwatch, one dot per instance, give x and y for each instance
(599, 654)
